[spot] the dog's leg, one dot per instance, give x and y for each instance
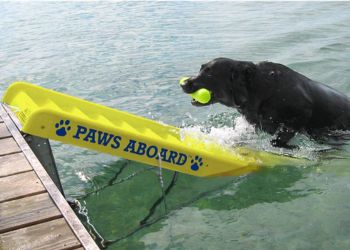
(282, 138)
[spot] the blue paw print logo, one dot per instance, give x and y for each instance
(62, 127)
(196, 163)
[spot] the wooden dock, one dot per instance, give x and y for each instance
(33, 212)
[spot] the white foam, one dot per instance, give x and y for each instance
(243, 133)
(82, 176)
(225, 136)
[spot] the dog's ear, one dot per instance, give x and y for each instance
(240, 83)
(249, 71)
(234, 74)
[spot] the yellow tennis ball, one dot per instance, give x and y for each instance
(183, 80)
(202, 96)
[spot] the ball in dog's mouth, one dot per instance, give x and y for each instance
(200, 97)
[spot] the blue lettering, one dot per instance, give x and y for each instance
(130, 146)
(163, 153)
(172, 156)
(182, 159)
(153, 152)
(104, 138)
(141, 149)
(151, 155)
(116, 140)
(80, 130)
(90, 135)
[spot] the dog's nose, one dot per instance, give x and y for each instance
(186, 84)
(184, 80)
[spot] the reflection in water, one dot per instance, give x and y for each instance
(151, 202)
(141, 197)
(266, 186)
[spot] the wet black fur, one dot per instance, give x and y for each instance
(273, 97)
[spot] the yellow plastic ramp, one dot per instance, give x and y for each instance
(53, 115)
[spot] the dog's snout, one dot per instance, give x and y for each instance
(189, 82)
(188, 85)
(183, 80)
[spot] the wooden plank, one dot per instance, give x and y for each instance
(53, 234)
(4, 132)
(8, 146)
(13, 164)
(73, 221)
(27, 211)
(19, 186)
(12, 116)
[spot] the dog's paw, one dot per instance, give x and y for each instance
(281, 144)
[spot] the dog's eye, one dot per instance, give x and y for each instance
(234, 75)
(207, 70)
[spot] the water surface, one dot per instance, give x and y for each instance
(130, 55)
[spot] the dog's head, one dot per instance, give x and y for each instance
(227, 80)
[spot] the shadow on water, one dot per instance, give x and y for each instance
(265, 186)
(130, 199)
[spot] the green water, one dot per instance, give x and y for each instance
(130, 55)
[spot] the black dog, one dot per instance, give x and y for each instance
(273, 97)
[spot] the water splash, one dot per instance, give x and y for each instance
(82, 176)
(218, 130)
(224, 135)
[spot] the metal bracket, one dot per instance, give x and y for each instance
(42, 150)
